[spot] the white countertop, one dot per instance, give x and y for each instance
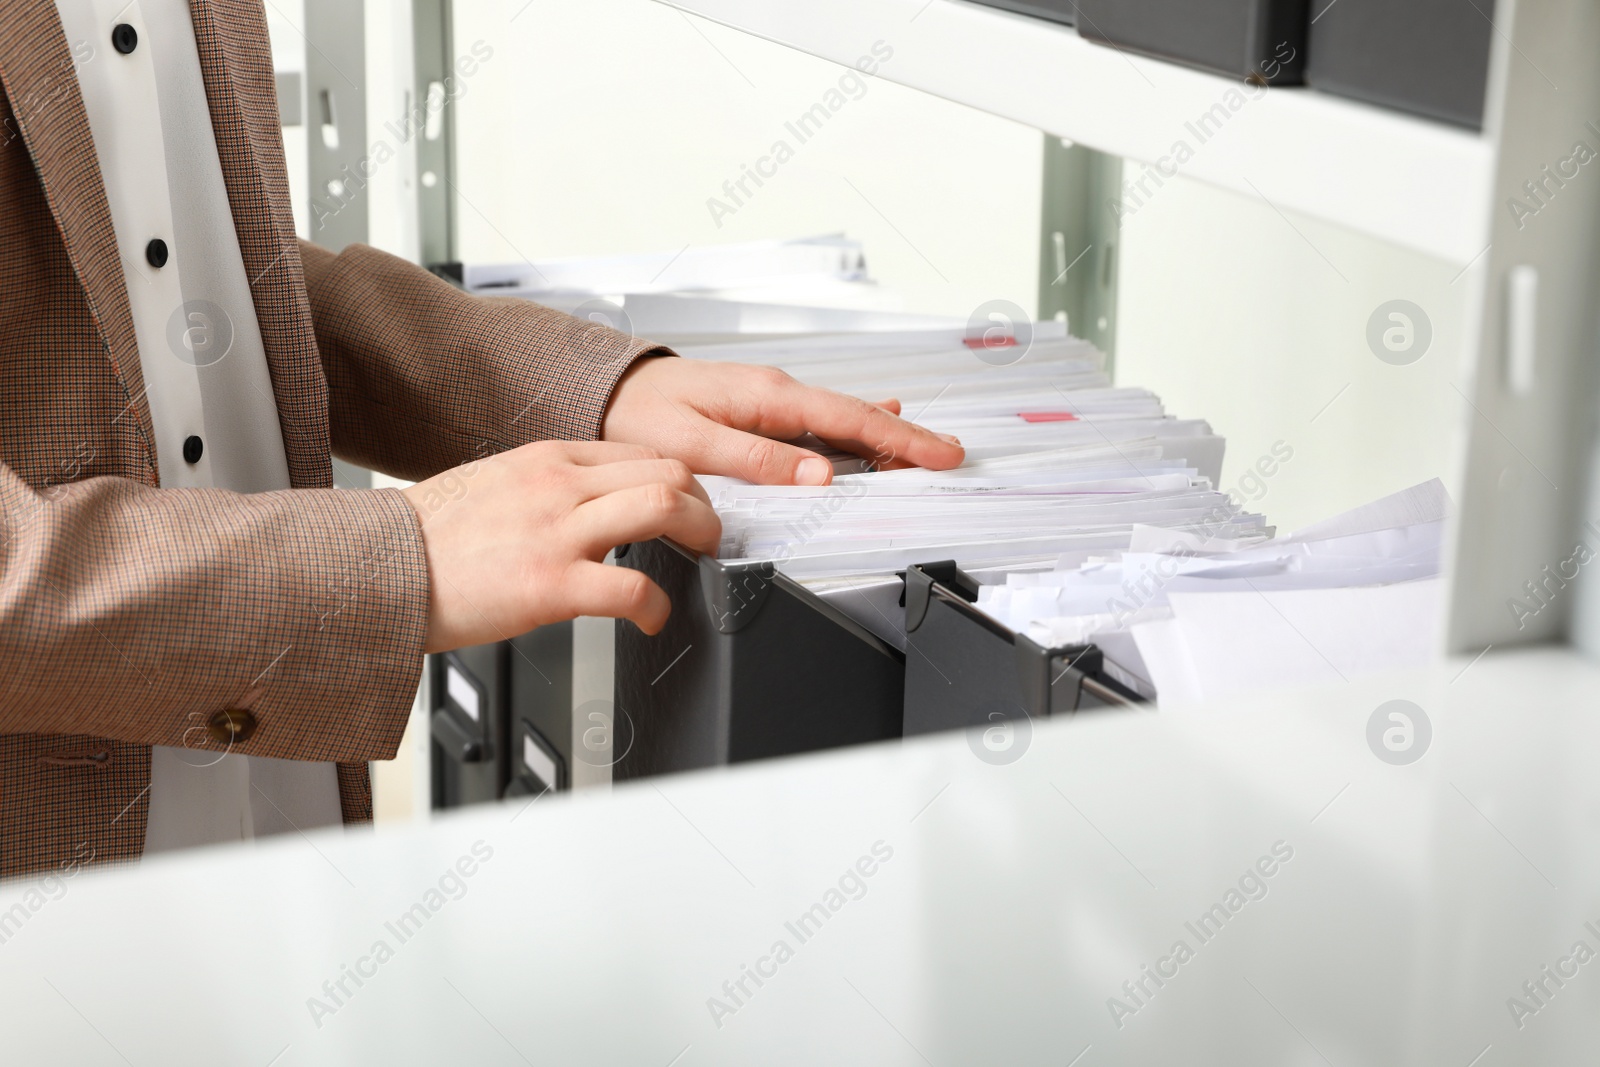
(1017, 900)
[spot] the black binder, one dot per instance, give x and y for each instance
(1429, 57)
(470, 688)
(750, 665)
(1261, 40)
(965, 669)
(501, 720)
(539, 722)
(1062, 11)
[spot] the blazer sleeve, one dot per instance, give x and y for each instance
(423, 377)
(139, 614)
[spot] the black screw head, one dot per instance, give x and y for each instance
(193, 449)
(124, 38)
(156, 252)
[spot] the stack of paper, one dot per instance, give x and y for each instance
(710, 268)
(754, 289)
(1052, 394)
(1061, 467)
(1197, 618)
(1086, 512)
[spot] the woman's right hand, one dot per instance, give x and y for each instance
(515, 540)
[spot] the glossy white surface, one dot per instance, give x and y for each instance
(1017, 900)
(1419, 184)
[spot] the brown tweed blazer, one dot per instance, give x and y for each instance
(133, 616)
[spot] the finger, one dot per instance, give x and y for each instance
(599, 591)
(592, 453)
(892, 406)
(874, 460)
(872, 432)
(787, 408)
(603, 478)
(761, 459)
(643, 513)
(884, 459)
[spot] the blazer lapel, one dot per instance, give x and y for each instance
(42, 86)
(236, 60)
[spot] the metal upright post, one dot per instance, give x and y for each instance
(336, 98)
(1078, 251)
(435, 52)
(336, 141)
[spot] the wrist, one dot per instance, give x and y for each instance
(623, 390)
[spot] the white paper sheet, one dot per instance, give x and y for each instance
(1239, 642)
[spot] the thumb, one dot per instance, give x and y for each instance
(762, 460)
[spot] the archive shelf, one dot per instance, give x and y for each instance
(1525, 446)
(1417, 183)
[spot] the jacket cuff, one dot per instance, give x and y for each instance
(287, 623)
(568, 402)
(352, 661)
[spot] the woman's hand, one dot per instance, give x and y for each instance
(733, 419)
(515, 540)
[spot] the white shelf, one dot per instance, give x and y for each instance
(1005, 904)
(1412, 182)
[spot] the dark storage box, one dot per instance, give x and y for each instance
(537, 767)
(490, 703)
(540, 720)
(1063, 11)
(470, 693)
(750, 665)
(964, 669)
(1430, 57)
(1263, 40)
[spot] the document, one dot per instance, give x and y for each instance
(1219, 613)
(1087, 513)
(1062, 468)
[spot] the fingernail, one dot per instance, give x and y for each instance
(813, 471)
(948, 439)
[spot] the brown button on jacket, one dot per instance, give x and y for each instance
(131, 616)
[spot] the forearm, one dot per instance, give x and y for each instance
(423, 377)
(138, 614)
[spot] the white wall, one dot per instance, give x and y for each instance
(1257, 320)
(604, 126)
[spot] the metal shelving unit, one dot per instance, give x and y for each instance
(1526, 428)
(1527, 370)
(1417, 183)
